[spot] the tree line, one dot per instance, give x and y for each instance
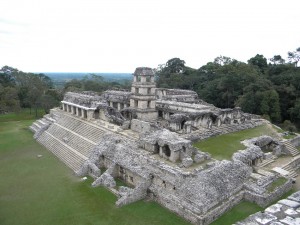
(26, 90)
(270, 88)
(267, 87)
(36, 91)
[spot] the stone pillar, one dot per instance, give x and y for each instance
(167, 116)
(79, 112)
(119, 106)
(63, 106)
(73, 110)
(89, 114)
(84, 113)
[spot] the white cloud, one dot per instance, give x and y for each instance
(118, 35)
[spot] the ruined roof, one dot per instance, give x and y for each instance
(252, 152)
(213, 185)
(143, 71)
(85, 99)
(177, 91)
(165, 137)
(188, 106)
(117, 96)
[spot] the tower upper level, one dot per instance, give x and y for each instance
(143, 75)
(143, 93)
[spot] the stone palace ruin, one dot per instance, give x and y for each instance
(144, 137)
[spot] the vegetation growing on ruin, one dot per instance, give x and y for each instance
(267, 87)
(42, 190)
(277, 183)
(238, 212)
(223, 146)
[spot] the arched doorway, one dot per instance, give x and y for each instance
(182, 124)
(96, 114)
(156, 148)
(166, 150)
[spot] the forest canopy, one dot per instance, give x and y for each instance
(267, 87)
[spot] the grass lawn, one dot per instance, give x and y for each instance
(24, 114)
(245, 209)
(44, 191)
(238, 212)
(280, 181)
(223, 146)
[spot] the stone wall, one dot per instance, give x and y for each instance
(176, 95)
(295, 141)
(266, 198)
(222, 208)
(141, 126)
(285, 211)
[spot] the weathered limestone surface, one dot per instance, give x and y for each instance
(105, 180)
(156, 157)
(87, 99)
(286, 211)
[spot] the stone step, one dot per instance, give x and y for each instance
(36, 125)
(33, 129)
(65, 153)
(266, 162)
(291, 170)
(290, 147)
(74, 140)
(40, 123)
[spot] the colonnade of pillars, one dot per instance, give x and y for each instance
(117, 105)
(83, 113)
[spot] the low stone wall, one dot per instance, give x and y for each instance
(222, 208)
(266, 199)
(173, 204)
(295, 164)
(295, 141)
(140, 126)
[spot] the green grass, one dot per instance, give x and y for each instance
(280, 181)
(245, 209)
(238, 212)
(44, 191)
(223, 146)
(289, 136)
(24, 114)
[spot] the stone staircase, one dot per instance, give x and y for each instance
(290, 169)
(72, 139)
(38, 124)
(290, 147)
(69, 138)
(65, 153)
(266, 162)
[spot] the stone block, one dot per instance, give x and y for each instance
(187, 162)
(264, 218)
(289, 203)
(274, 208)
(295, 197)
(199, 158)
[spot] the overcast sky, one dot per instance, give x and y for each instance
(120, 35)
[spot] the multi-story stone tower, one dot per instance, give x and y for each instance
(143, 97)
